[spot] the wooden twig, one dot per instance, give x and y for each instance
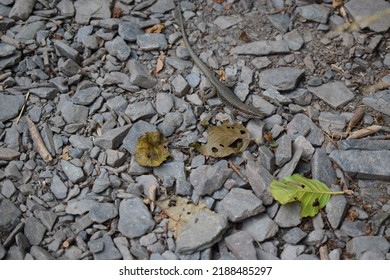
(364, 132)
(24, 106)
(324, 253)
(235, 169)
(38, 142)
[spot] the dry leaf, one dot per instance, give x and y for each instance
(336, 4)
(222, 75)
(65, 154)
(159, 64)
(225, 140)
(150, 149)
(245, 38)
(158, 28)
(179, 211)
(356, 118)
(116, 12)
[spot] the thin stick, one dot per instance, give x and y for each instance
(24, 105)
(235, 169)
(364, 132)
(324, 253)
(38, 142)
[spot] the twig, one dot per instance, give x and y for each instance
(324, 253)
(364, 132)
(38, 142)
(235, 169)
(22, 109)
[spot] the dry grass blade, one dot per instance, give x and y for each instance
(38, 142)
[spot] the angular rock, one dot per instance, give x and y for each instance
(119, 48)
(8, 154)
(260, 178)
(123, 246)
(40, 253)
(261, 227)
(22, 9)
(101, 183)
(113, 138)
(288, 168)
(86, 96)
(207, 179)
(152, 41)
(194, 236)
(316, 237)
(48, 218)
(109, 252)
(140, 75)
(34, 231)
(241, 245)
(74, 113)
(291, 252)
(303, 125)
(289, 215)
(136, 130)
(321, 168)
(336, 94)
(6, 49)
(174, 169)
(115, 158)
(225, 22)
(315, 12)
(10, 106)
(74, 173)
(140, 110)
(78, 207)
(10, 60)
(294, 235)
(45, 92)
(10, 214)
(134, 218)
(102, 212)
(336, 208)
(129, 31)
(294, 40)
(240, 204)
(58, 188)
(86, 10)
(29, 31)
(283, 151)
(261, 48)
(361, 244)
(363, 144)
(67, 51)
(353, 228)
(379, 101)
(282, 78)
(80, 142)
(363, 164)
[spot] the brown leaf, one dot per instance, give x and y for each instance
(65, 154)
(336, 4)
(245, 38)
(158, 28)
(159, 64)
(116, 12)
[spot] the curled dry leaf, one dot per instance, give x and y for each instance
(150, 149)
(158, 28)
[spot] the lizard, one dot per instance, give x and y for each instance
(224, 93)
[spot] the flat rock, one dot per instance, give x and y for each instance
(240, 204)
(9, 215)
(202, 231)
(40, 253)
(363, 164)
(294, 235)
(6, 49)
(260, 178)
(79, 207)
(86, 10)
(134, 218)
(45, 92)
(109, 251)
(314, 12)
(74, 113)
(303, 125)
(8, 154)
(336, 94)
(361, 244)
(282, 78)
(353, 228)
(58, 188)
(241, 245)
(224, 22)
(361, 10)
(86, 96)
(80, 142)
(47, 218)
(113, 138)
(262, 48)
(102, 212)
(321, 168)
(34, 230)
(291, 252)
(283, 152)
(152, 41)
(379, 101)
(29, 31)
(261, 227)
(10, 106)
(140, 75)
(129, 31)
(22, 9)
(363, 144)
(119, 48)
(74, 173)
(10, 60)
(207, 179)
(289, 215)
(336, 208)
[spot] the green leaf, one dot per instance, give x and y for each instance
(312, 194)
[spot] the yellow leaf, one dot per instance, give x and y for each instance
(151, 150)
(225, 140)
(158, 28)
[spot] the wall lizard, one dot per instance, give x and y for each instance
(224, 93)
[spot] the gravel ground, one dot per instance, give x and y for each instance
(90, 72)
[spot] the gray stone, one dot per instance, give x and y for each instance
(48, 218)
(74, 113)
(58, 188)
(74, 173)
(303, 144)
(101, 183)
(96, 245)
(281, 22)
(363, 144)
(109, 252)
(162, 6)
(275, 96)
(260, 178)
(67, 51)
(9, 61)
(10, 214)
(73, 253)
(8, 154)
(152, 41)
(148, 239)
(330, 122)
(66, 8)
(86, 96)
(266, 158)
(314, 12)
(361, 10)
(303, 125)
(140, 110)
(241, 245)
(379, 101)
(10, 106)
(119, 48)
(171, 122)
(322, 169)
(6, 50)
(134, 218)
(40, 253)
(361, 244)
(336, 94)
(289, 215)
(102, 212)
(123, 246)
(86, 10)
(140, 75)
(225, 22)
(22, 9)
(34, 231)
(316, 237)
(136, 130)
(294, 235)
(80, 142)
(363, 164)
(372, 255)
(288, 168)
(261, 227)
(118, 104)
(8, 188)
(263, 255)
(260, 48)
(282, 78)
(129, 31)
(294, 40)
(113, 138)
(202, 231)
(291, 252)
(336, 208)
(283, 151)
(29, 31)
(164, 102)
(81, 224)
(79, 207)
(115, 158)
(353, 228)
(174, 169)
(207, 179)
(240, 204)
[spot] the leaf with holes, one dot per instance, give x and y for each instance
(312, 194)
(224, 140)
(150, 149)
